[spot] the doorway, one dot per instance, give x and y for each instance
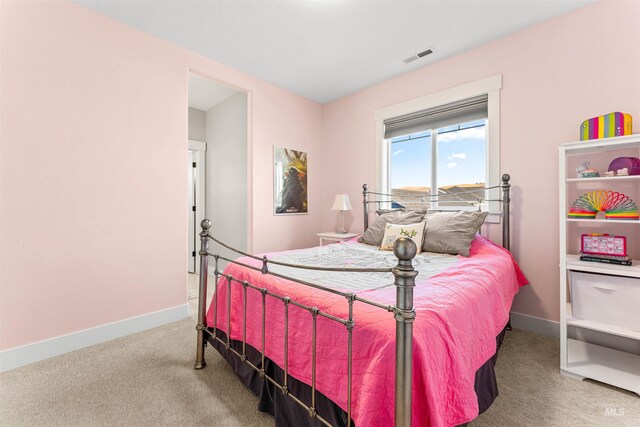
(217, 169)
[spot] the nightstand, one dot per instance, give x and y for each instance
(332, 236)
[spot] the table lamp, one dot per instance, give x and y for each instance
(341, 203)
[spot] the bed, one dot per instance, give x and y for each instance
(346, 334)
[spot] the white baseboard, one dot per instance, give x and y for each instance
(41, 350)
(536, 325)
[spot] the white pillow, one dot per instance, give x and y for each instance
(394, 231)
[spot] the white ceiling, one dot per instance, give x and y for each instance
(205, 94)
(326, 49)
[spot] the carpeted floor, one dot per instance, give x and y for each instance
(148, 379)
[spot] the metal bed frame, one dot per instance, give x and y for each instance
(403, 311)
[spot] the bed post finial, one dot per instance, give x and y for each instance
(202, 295)
(405, 250)
(405, 280)
(365, 194)
(506, 199)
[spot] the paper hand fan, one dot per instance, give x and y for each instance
(614, 205)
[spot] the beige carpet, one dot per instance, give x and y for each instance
(147, 379)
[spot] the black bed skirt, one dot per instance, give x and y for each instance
(288, 413)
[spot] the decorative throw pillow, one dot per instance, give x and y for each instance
(393, 232)
(373, 235)
(452, 232)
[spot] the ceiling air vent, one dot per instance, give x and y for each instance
(429, 51)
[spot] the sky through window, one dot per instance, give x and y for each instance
(461, 157)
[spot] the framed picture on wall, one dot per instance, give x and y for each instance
(290, 181)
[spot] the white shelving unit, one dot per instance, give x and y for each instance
(578, 357)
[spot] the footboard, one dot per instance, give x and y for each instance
(404, 314)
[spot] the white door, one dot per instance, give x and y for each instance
(196, 171)
(191, 212)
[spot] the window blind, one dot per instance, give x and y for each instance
(466, 110)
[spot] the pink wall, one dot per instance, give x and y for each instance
(94, 131)
(94, 143)
(555, 75)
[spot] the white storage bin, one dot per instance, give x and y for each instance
(612, 300)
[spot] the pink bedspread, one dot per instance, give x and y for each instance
(459, 313)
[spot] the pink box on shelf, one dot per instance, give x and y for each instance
(603, 244)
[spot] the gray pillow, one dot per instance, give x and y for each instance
(374, 234)
(452, 232)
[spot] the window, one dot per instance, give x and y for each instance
(451, 159)
(444, 144)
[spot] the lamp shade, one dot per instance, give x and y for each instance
(341, 203)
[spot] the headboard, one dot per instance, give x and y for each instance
(504, 200)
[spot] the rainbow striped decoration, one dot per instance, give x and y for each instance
(614, 205)
(607, 126)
